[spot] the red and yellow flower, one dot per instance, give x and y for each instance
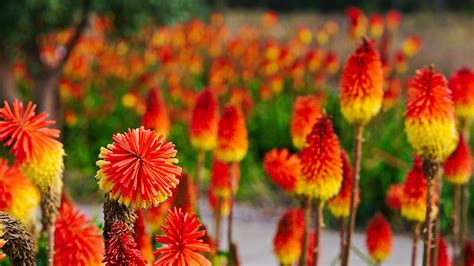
(361, 86)
(321, 162)
(413, 200)
(430, 123)
(204, 122)
(305, 113)
(394, 195)
(283, 168)
(379, 238)
(156, 116)
(182, 240)
(458, 166)
(232, 135)
(138, 168)
(287, 245)
(461, 84)
(340, 205)
(33, 144)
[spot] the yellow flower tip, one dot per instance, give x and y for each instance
(323, 189)
(361, 111)
(204, 143)
(432, 139)
(415, 212)
(339, 208)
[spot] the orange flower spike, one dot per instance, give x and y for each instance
(204, 122)
(77, 240)
(393, 18)
(283, 168)
(339, 206)
(156, 116)
(430, 122)
(182, 241)
(357, 22)
(394, 195)
(232, 135)
(220, 176)
(379, 238)
(33, 144)
(376, 25)
(443, 253)
(413, 200)
(287, 245)
(138, 169)
(461, 84)
(458, 166)
(321, 162)
(305, 113)
(361, 86)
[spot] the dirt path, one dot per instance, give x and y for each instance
(254, 233)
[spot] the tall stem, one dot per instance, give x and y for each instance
(231, 207)
(416, 236)
(217, 222)
(431, 171)
(305, 204)
(359, 129)
(317, 232)
(199, 166)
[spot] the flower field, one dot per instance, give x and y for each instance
(352, 122)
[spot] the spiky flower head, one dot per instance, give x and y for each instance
(142, 237)
(287, 245)
(232, 139)
(361, 86)
(77, 240)
(305, 113)
(339, 206)
(283, 168)
(379, 238)
(461, 84)
(18, 196)
(204, 122)
(182, 240)
(394, 195)
(321, 162)
(458, 166)
(429, 116)
(413, 201)
(443, 253)
(120, 248)
(33, 144)
(138, 169)
(156, 116)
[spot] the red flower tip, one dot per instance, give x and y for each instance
(137, 168)
(321, 162)
(204, 121)
(27, 133)
(461, 84)
(305, 113)
(232, 135)
(77, 240)
(458, 166)
(413, 201)
(283, 168)
(394, 196)
(182, 241)
(287, 245)
(120, 248)
(379, 237)
(156, 116)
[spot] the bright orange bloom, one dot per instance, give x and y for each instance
(429, 116)
(33, 144)
(305, 113)
(142, 237)
(156, 116)
(357, 22)
(120, 248)
(412, 45)
(232, 139)
(182, 241)
(413, 201)
(443, 253)
(321, 162)
(137, 168)
(340, 204)
(283, 168)
(458, 166)
(461, 84)
(379, 238)
(287, 243)
(203, 125)
(18, 196)
(376, 25)
(77, 240)
(394, 195)
(361, 86)
(185, 196)
(393, 19)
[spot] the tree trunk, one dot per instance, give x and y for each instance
(47, 94)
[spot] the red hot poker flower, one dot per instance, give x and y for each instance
(461, 84)
(287, 245)
(182, 241)
(232, 139)
(379, 238)
(340, 204)
(458, 166)
(413, 201)
(283, 168)
(137, 168)
(203, 125)
(394, 196)
(305, 113)
(156, 116)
